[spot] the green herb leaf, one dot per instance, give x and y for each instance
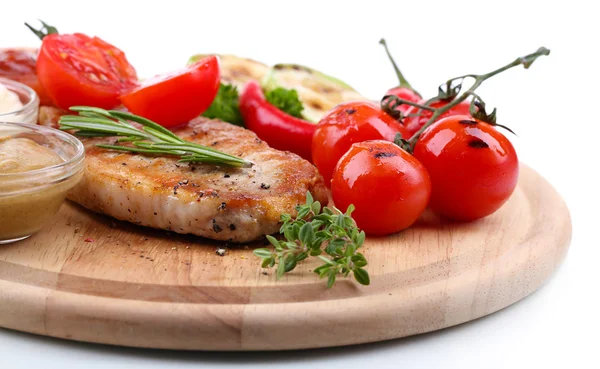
(360, 239)
(322, 269)
(316, 207)
(268, 262)
(290, 263)
(339, 221)
(226, 106)
(328, 211)
(302, 256)
(303, 212)
(359, 260)
(328, 261)
(280, 267)
(331, 279)
(272, 240)
(316, 224)
(286, 101)
(316, 252)
(263, 253)
(309, 198)
(362, 276)
(335, 245)
(306, 234)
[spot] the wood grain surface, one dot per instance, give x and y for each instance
(90, 278)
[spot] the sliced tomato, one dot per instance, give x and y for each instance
(176, 98)
(81, 70)
(19, 65)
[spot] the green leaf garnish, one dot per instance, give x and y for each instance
(315, 231)
(286, 101)
(226, 106)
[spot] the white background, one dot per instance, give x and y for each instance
(553, 107)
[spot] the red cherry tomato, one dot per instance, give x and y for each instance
(176, 98)
(473, 167)
(388, 186)
(414, 123)
(405, 93)
(81, 70)
(19, 65)
(348, 123)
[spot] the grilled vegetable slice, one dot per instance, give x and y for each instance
(318, 92)
(236, 70)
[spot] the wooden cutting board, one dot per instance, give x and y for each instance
(87, 277)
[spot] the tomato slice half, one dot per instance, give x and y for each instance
(76, 69)
(176, 98)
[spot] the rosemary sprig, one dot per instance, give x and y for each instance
(151, 139)
(316, 230)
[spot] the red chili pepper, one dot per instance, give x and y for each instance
(279, 129)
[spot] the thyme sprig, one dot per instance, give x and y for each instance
(314, 231)
(151, 139)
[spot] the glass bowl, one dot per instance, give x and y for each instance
(30, 100)
(29, 199)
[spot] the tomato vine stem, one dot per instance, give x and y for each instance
(389, 103)
(44, 31)
(403, 82)
(526, 61)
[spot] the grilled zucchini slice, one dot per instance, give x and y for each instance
(236, 70)
(318, 92)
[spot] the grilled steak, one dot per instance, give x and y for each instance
(221, 203)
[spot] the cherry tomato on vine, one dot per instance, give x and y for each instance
(473, 167)
(388, 186)
(414, 123)
(80, 70)
(405, 93)
(348, 123)
(19, 65)
(176, 98)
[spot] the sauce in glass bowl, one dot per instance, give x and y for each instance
(38, 166)
(24, 154)
(18, 102)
